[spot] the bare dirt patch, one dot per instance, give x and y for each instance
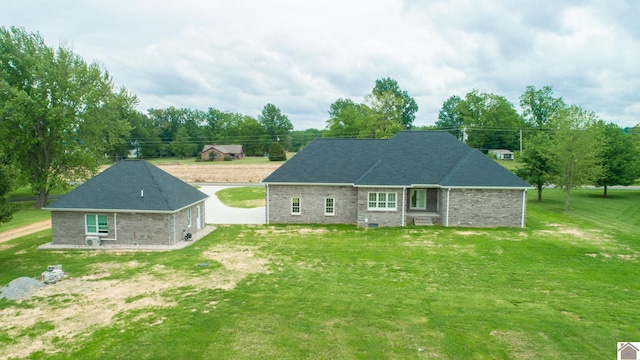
(239, 173)
(75, 307)
(25, 230)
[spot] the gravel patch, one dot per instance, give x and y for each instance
(20, 288)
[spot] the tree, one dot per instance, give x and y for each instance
(277, 153)
(300, 139)
(58, 114)
(575, 149)
(388, 93)
(182, 145)
(347, 119)
(384, 120)
(6, 184)
(535, 167)
(490, 121)
(539, 105)
(619, 159)
(449, 117)
(275, 124)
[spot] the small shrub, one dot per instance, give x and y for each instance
(277, 153)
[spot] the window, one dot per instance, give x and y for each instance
(382, 201)
(96, 224)
(418, 199)
(295, 206)
(329, 208)
(189, 217)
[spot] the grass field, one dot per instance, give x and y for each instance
(567, 286)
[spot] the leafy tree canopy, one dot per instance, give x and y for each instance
(58, 114)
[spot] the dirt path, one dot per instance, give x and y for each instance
(25, 230)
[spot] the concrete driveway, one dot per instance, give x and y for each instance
(218, 213)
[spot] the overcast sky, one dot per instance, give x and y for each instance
(304, 55)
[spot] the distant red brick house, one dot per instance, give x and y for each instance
(219, 152)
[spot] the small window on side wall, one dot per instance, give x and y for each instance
(295, 206)
(96, 224)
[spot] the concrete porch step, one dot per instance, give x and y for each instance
(423, 220)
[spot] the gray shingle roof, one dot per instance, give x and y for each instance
(120, 187)
(409, 158)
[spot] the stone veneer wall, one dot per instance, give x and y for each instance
(483, 207)
(311, 204)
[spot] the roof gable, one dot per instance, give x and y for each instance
(134, 185)
(409, 158)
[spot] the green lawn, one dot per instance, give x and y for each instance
(242, 197)
(567, 286)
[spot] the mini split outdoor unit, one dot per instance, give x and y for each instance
(92, 240)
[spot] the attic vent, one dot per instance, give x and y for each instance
(141, 193)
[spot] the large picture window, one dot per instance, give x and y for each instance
(295, 206)
(382, 201)
(96, 224)
(329, 207)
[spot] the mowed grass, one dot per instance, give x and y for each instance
(567, 286)
(242, 197)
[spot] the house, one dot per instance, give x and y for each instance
(502, 154)
(415, 177)
(130, 203)
(220, 152)
(628, 352)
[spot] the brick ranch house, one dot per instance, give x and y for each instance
(415, 177)
(219, 152)
(131, 202)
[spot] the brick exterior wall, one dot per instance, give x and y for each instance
(126, 228)
(483, 207)
(312, 204)
(467, 207)
(366, 218)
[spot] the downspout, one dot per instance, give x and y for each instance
(267, 206)
(115, 227)
(447, 218)
(174, 228)
(404, 199)
(524, 203)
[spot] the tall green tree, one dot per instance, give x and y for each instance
(449, 117)
(538, 105)
(535, 168)
(58, 114)
(490, 121)
(392, 99)
(574, 152)
(275, 124)
(6, 184)
(620, 158)
(347, 119)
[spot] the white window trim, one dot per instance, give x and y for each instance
(299, 206)
(333, 207)
(386, 202)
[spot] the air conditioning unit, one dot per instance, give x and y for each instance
(92, 241)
